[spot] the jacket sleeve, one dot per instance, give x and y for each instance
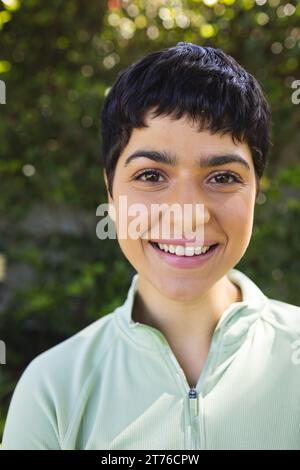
(31, 421)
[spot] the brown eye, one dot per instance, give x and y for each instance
(150, 176)
(226, 178)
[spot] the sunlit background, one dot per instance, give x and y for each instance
(57, 61)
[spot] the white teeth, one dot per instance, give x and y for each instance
(189, 251)
(180, 250)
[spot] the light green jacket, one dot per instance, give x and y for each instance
(117, 385)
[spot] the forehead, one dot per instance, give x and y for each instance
(183, 138)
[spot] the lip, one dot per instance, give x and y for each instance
(184, 261)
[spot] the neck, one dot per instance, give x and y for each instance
(182, 321)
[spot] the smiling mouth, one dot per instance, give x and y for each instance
(184, 252)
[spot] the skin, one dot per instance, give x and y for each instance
(186, 304)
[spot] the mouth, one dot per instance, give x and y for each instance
(179, 250)
(184, 257)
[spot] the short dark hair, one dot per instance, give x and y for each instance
(203, 83)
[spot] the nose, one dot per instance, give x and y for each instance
(194, 213)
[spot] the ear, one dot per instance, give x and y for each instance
(106, 185)
(258, 188)
(111, 211)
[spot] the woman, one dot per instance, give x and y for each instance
(197, 357)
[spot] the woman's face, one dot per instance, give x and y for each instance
(227, 192)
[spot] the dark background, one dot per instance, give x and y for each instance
(58, 60)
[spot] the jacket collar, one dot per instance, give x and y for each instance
(233, 324)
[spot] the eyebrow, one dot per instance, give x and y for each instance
(204, 162)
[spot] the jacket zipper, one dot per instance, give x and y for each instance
(193, 401)
(193, 394)
(194, 412)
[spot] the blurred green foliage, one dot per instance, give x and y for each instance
(58, 60)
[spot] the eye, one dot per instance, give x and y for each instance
(151, 176)
(224, 177)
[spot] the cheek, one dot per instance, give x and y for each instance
(133, 251)
(133, 218)
(237, 220)
(130, 248)
(132, 223)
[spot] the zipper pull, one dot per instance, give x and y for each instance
(193, 400)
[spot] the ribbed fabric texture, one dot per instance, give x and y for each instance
(117, 385)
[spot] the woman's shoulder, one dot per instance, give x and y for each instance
(284, 308)
(284, 315)
(69, 365)
(79, 350)
(54, 385)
